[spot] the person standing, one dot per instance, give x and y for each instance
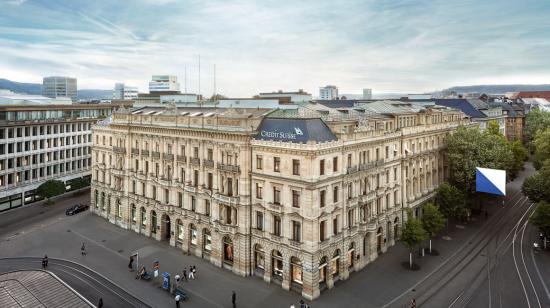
(131, 263)
(194, 270)
(45, 262)
(177, 278)
(100, 303)
(191, 274)
(234, 299)
(413, 303)
(185, 273)
(83, 249)
(177, 299)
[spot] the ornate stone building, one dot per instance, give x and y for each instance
(300, 197)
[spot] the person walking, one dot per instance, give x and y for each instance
(100, 304)
(194, 270)
(303, 304)
(184, 272)
(191, 274)
(292, 306)
(177, 278)
(413, 303)
(131, 264)
(83, 249)
(177, 299)
(45, 262)
(234, 299)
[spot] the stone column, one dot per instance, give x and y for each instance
(310, 278)
(286, 273)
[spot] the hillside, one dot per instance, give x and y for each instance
(36, 89)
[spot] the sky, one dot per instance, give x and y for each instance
(391, 46)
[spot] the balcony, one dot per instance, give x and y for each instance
(181, 158)
(145, 152)
(168, 157)
(379, 162)
(120, 150)
(224, 228)
(195, 161)
(367, 166)
(230, 168)
(208, 163)
(258, 232)
(135, 151)
(352, 169)
(295, 244)
(276, 238)
(226, 199)
(155, 154)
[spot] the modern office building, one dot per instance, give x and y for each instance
(163, 83)
(301, 197)
(40, 142)
(56, 86)
(299, 96)
(124, 92)
(367, 93)
(328, 93)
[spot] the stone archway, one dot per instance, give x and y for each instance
(379, 236)
(165, 227)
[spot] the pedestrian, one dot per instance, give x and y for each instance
(413, 303)
(100, 304)
(184, 272)
(83, 249)
(177, 278)
(177, 299)
(292, 306)
(131, 264)
(191, 274)
(194, 271)
(303, 304)
(45, 262)
(234, 299)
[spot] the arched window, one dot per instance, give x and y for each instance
(206, 241)
(143, 216)
(228, 250)
(259, 257)
(296, 270)
(351, 254)
(117, 208)
(179, 230)
(277, 264)
(97, 199)
(323, 270)
(335, 263)
(103, 201)
(153, 222)
(192, 234)
(133, 213)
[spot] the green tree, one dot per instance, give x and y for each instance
(493, 128)
(468, 148)
(79, 183)
(432, 220)
(534, 121)
(520, 154)
(412, 234)
(451, 200)
(542, 147)
(537, 186)
(541, 218)
(51, 188)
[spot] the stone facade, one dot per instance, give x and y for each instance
(302, 215)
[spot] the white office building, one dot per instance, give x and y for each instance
(123, 91)
(163, 83)
(288, 97)
(367, 93)
(57, 86)
(328, 92)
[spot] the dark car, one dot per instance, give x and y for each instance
(77, 208)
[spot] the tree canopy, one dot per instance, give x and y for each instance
(432, 219)
(51, 188)
(542, 147)
(541, 218)
(535, 121)
(537, 186)
(79, 183)
(451, 200)
(413, 234)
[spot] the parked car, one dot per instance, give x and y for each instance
(77, 208)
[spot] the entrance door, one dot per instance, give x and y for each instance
(167, 234)
(379, 240)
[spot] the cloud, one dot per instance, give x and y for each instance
(390, 46)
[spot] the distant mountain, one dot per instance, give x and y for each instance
(20, 87)
(498, 89)
(36, 89)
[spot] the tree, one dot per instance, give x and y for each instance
(537, 186)
(432, 220)
(541, 218)
(493, 128)
(535, 121)
(51, 188)
(451, 200)
(520, 154)
(412, 234)
(79, 183)
(542, 147)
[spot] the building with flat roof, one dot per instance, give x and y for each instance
(40, 142)
(124, 92)
(367, 93)
(300, 197)
(328, 93)
(57, 86)
(287, 97)
(162, 83)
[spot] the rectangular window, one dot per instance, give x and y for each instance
(196, 152)
(166, 196)
(322, 167)
(207, 207)
(335, 194)
(210, 155)
(210, 180)
(295, 167)
(322, 227)
(296, 231)
(193, 204)
(277, 225)
(259, 192)
(180, 199)
(335, 226)
(335, 164)
(276, 195)
(295, 198)
(259, 162)
(276, 164)
(322, 198)
(259, 220)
